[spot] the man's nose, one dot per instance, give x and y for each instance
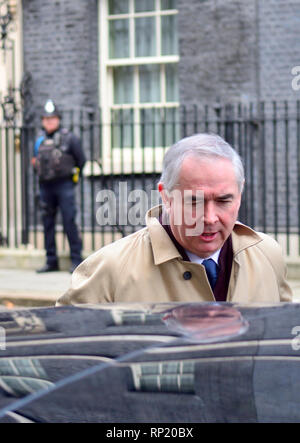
(210, 214)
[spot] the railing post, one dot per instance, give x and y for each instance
(229, 130)
(24, 181)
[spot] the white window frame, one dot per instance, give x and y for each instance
(116, 160)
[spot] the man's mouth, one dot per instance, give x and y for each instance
(208, 236)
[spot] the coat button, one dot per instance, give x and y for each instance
(187, 275)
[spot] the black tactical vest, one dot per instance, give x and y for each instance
(53, 160)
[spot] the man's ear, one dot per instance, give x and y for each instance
(164, 195)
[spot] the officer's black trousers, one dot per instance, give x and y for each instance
(54, 195)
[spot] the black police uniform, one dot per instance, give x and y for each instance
(57, 191)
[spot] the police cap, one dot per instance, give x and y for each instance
(50, 109)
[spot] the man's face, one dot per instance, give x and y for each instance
(50, 124)
(214, 179)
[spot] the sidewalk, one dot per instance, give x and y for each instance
(19, 287)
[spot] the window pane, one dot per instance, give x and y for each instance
(150, 130)
(149, 83)
(122, 128)
(118, 6)
(159, 127)
(118, 38)
(169, 35)
(144, 5)
(168, 4)
(171, 83)
(123, 85)
(172, 126)
(145, 38)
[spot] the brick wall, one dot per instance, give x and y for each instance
(279, 42)
(238, 50)
(61, 51)
(217, 41)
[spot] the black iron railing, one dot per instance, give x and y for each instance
(124, 155)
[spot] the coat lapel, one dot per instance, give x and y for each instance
(243, 238)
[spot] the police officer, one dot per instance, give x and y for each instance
(58, 157)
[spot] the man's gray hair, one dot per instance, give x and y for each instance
(199, 145)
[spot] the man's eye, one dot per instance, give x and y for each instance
(193, 203)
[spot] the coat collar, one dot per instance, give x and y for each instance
(164, 249)
(162, 246)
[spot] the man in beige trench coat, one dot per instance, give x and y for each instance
(192, 249)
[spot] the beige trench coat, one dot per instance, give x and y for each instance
(147, 267)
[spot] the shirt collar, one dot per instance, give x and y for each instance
(196, 259)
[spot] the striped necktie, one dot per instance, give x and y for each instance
(211, 268)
